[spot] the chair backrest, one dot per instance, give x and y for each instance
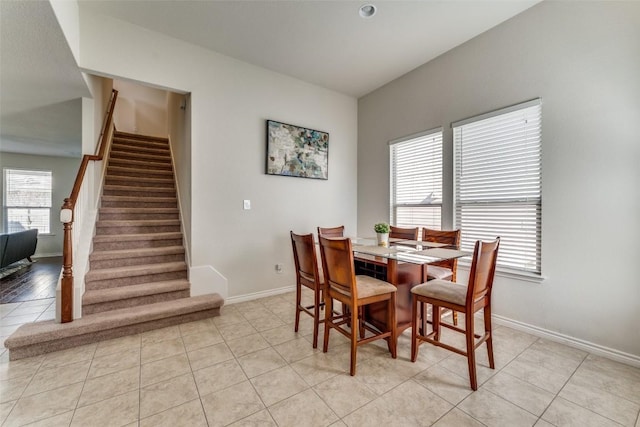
(404, 233)
(337, 262)
(304, 256)
(483, 268)
(448, 237)
(331, 231)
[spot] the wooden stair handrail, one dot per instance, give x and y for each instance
(69, 204)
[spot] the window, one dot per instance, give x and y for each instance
(416, 180)
(27, 200)
(497, 183)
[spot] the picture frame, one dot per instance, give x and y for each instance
(297, 151)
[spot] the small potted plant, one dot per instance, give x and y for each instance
(382, 233)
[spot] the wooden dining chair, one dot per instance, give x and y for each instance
(331, 231)
(404, 233)
(353, 292)
(445, 269)
(309, 275)
(468, 299)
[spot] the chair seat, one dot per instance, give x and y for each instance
(441, 273)
(370, 287)
(442, 290)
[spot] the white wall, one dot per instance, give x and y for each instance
(68, 17)
(583, 59)
(230, 102)
(140, 109)
(63, 171)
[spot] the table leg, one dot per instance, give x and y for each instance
(404, 276)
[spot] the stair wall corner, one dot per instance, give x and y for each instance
(205, 279)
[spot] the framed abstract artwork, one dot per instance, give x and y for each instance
(297, 151)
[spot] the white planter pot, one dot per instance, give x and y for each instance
(383, 239)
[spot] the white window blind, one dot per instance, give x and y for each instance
(27, 200)
(497, 183)
(416, 180)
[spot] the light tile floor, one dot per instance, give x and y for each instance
(247, 368)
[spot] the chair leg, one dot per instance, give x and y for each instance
(435, 319)
(316, 316)
(298, 299)
(354, 341)
(392, 325)
(471, 351)
(455, 317)
(414, 327)
(423, 315)
(488, 330)
(328, 312)
(361, 321)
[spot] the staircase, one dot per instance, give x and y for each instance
(137, 278)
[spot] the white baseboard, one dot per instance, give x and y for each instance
(609, 353)
(261, 294)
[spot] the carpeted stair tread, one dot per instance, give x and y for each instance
(141, 156)
(139, 210)
(141, 181)
(123, 150)
(135, 253)
(129, 146)
(124, 145)
(138, 213)
(140, 164)
(48, 331)
(133, 291)
(149, 198)
(141, 161)
(135, 187)
(137, 237)
(135, 136)
(135, 191)
(139, 144)
(116, 170)
(133, 271)
(137, 222)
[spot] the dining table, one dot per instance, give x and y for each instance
(404, 264)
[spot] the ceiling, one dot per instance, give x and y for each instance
(325, 43)
(322, 42)
(40, 85)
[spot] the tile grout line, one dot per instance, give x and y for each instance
(581, 406)
(84, 383)
(194, 378)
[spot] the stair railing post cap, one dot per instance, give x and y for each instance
(66, 216)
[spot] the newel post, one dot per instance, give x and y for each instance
(66, 217)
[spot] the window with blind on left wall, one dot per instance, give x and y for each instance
(27, 200)
(416, 180)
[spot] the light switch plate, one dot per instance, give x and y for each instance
(246, 204)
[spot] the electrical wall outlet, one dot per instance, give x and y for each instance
(279, 268)
(246, 204)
